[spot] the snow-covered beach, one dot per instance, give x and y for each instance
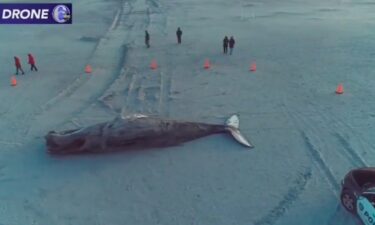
(306, 137)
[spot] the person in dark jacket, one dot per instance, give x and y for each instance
(225, 45)
(231, 45)
(147, 39)
(17, 62)
(32, 62)
(179, 34)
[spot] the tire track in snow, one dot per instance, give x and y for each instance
(81, 79)
(153, 93)
(313, 143)
(338, 129)
(128, 93)
(166, 86)
(292, 195)
(157, 18)
(116, 20)
(142, 94)
(129, 77)
(146, 93)
(134, 92)
(294, 191)
(87, 93)
(333, 126)
(351, 154)
(322, 164)
(337, 126)
(98, 94)
(110, 96)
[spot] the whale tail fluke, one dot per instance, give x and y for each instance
(233, 125)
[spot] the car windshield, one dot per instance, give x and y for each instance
(365, 178)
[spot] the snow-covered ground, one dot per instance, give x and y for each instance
(306, 136)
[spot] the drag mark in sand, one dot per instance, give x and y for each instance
(115, 21)
(81, 80)
(166, 86)
(337, 128)
(159, 21)
(147, 94)
(292, 195)
(311, 145)
(95, 96)
(86, 90)
(351, 154)
(364, 3)
(140, 90)
(111, 96)
(318, 158)
(319, 144)
(133, 93)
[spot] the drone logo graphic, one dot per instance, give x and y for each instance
(61, 14)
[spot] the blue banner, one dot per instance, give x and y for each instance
(36, 13)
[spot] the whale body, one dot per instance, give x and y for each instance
(137, 131)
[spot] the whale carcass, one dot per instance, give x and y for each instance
(136, 131)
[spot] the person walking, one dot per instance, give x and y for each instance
(225, 45)
(32, 62)
(179, 34)
(17, 63)
(147, 39)
(231, 45)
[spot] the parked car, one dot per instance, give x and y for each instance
(358, 194)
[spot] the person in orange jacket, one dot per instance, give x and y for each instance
(32, 62)
(17, 63)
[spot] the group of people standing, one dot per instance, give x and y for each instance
(178, 34)
(226, 42)
(31, 61)
(229, 42)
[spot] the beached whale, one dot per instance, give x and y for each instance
(136, 131)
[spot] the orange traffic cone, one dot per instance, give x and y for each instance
(340, 89)
(154, 64)
(13, 81)
(88, 69)
(253, 67)
(207, 64)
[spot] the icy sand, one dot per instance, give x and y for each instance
(306, 137)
